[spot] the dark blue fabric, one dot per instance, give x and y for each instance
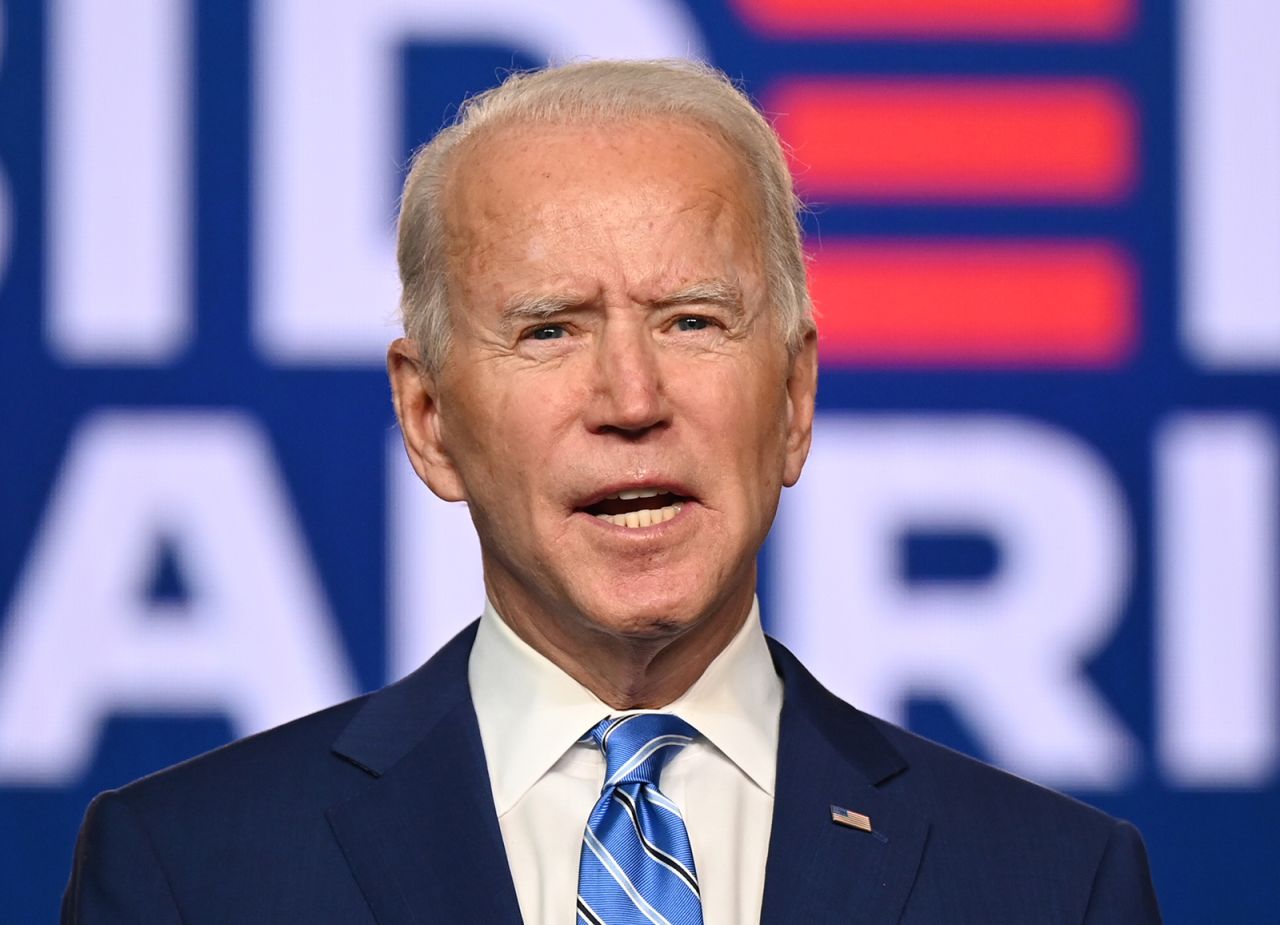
(379, 810)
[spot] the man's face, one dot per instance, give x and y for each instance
(612, 337)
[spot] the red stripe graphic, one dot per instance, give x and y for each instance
(961, 303)
(959, 141)
(942, 19)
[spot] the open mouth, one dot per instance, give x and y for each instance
(637, 507)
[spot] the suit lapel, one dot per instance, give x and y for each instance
(829, 754)
(422, 839)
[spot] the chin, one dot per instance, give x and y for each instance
(649, 610)
(645, 616)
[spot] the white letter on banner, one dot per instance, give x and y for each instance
(119, 190)
(326, 289)
(1008, 652)
(1230, 218)
(253, 640)
(436, 585)
(1218, 633)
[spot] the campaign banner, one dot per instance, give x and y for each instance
(1040, 521)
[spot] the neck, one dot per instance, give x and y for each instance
(631, 671)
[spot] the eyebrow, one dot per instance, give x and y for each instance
(705, 292)
(540, 306)
(536, 307)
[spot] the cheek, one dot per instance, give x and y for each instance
(510, 441)
(766, 421)
(749, 426)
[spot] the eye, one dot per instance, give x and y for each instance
(547, 332)
(692, 323)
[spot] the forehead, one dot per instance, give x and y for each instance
(649, 196)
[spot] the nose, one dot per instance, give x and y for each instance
(628, 396)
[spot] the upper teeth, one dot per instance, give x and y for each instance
(632, 493)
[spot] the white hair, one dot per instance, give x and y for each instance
(594, 91)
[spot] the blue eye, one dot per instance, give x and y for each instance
(692, 323)
(548, 332)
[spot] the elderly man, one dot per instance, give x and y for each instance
(610, 357)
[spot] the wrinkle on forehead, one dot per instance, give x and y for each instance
(614, 214)
(491, 205)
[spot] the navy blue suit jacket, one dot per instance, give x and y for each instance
(379, 810)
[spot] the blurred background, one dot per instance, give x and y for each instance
(1040, 520)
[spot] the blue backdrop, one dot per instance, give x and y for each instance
(1041, 521)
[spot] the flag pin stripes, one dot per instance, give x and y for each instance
(848, 817)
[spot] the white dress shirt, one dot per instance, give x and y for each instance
(545, 782)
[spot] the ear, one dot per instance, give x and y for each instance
(802, 391)
(416, 396)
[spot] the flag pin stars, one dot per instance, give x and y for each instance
(848, 817)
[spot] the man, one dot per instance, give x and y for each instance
(610, 358)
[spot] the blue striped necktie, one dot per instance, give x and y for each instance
(637, 867)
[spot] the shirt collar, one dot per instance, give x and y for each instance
(530, 712)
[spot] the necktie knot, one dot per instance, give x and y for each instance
(637, 747)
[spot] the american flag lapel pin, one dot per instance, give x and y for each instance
(848, 817)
